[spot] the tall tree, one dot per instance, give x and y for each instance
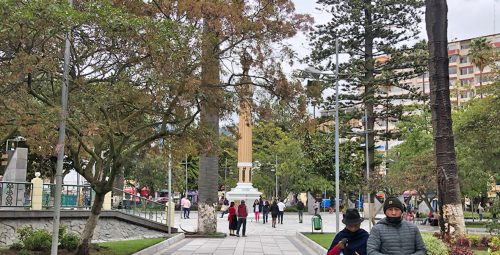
(130, 79)
(450, 206)
(481, 55)
(373, 34)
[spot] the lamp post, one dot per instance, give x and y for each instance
(186, 163)
(314, 71)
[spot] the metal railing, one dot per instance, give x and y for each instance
(16, 194)
(138, 206)
(72, 196)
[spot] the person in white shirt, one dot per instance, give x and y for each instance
(281, 207)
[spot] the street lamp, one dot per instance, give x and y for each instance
(315, 73)
(186, 163)
(366, 132)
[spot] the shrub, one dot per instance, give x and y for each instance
(462, 241)
(485, 240)
(62, 231)
(291, 209)
(475, 240)
(39, 240)
(434, 245)
(493, 227)
(24, 252)
(457, 250)
(24, 232)
(17, 246)
(495, 243)
(70, 241)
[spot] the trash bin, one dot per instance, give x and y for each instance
(316, 223)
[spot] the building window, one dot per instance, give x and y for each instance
(452, 70)
(464, 59)
(464, 46)
(452, 82)
(465, 82)
(453, 58)
(466, 70)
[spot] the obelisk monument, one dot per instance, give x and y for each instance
(244, 189)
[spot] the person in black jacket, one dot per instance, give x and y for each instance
(274, 212)
(352, 239)
(300, 209)
(265, 211)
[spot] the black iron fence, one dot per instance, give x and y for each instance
(16, 194)
(72, 196)
(139, 206)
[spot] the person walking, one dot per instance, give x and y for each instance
(242, 218)
(233, 220)
(480, 210)
(300, 209)
(352, 239)
(394, 236)
(257, 208)
(186, 205)
(281, 207)
(224, 207)
(316, 207)
(265, 211)
(274, 209)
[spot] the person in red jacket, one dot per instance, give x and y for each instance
(233, 220)
(242, 218)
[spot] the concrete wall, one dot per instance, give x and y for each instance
(111, 226)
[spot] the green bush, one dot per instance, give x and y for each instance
(17, 246)
(62, 231)
(70, 241)
(475, 215)
(39, 240)
(434, 245)
(24, 252)
(475, 240)
(25, 232)
(291, 209)
(495, 243)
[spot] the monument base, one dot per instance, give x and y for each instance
(244, 191)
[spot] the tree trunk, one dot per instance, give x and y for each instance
(209, 122)
(450, 208)
(88, 231)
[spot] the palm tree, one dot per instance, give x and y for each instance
(450, 206)
(481, 55)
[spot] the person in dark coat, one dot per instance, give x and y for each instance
(242, 218)
(265, 211)
(300, 210)
(274, 213)
(394, 236)
(352, 239)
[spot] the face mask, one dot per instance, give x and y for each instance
(394, 220)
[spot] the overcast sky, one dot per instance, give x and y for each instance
(466, 19)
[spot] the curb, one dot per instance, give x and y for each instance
(161, 246)
(311, 244)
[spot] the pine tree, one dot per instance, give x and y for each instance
(373, 34)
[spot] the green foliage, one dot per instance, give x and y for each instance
(494, 244)
(477, 144)
(70, 241)
(24, 252)
(127, 247)
(17, 246)
(38, 240)
(434, 245)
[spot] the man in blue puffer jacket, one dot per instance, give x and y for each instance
(392, 235)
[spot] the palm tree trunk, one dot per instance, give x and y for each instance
(88, 231)
(209, 122)
(450, 207)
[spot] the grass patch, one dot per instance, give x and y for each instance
(478, 252)
(126, 247)
(476, 224)
(323, 239)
